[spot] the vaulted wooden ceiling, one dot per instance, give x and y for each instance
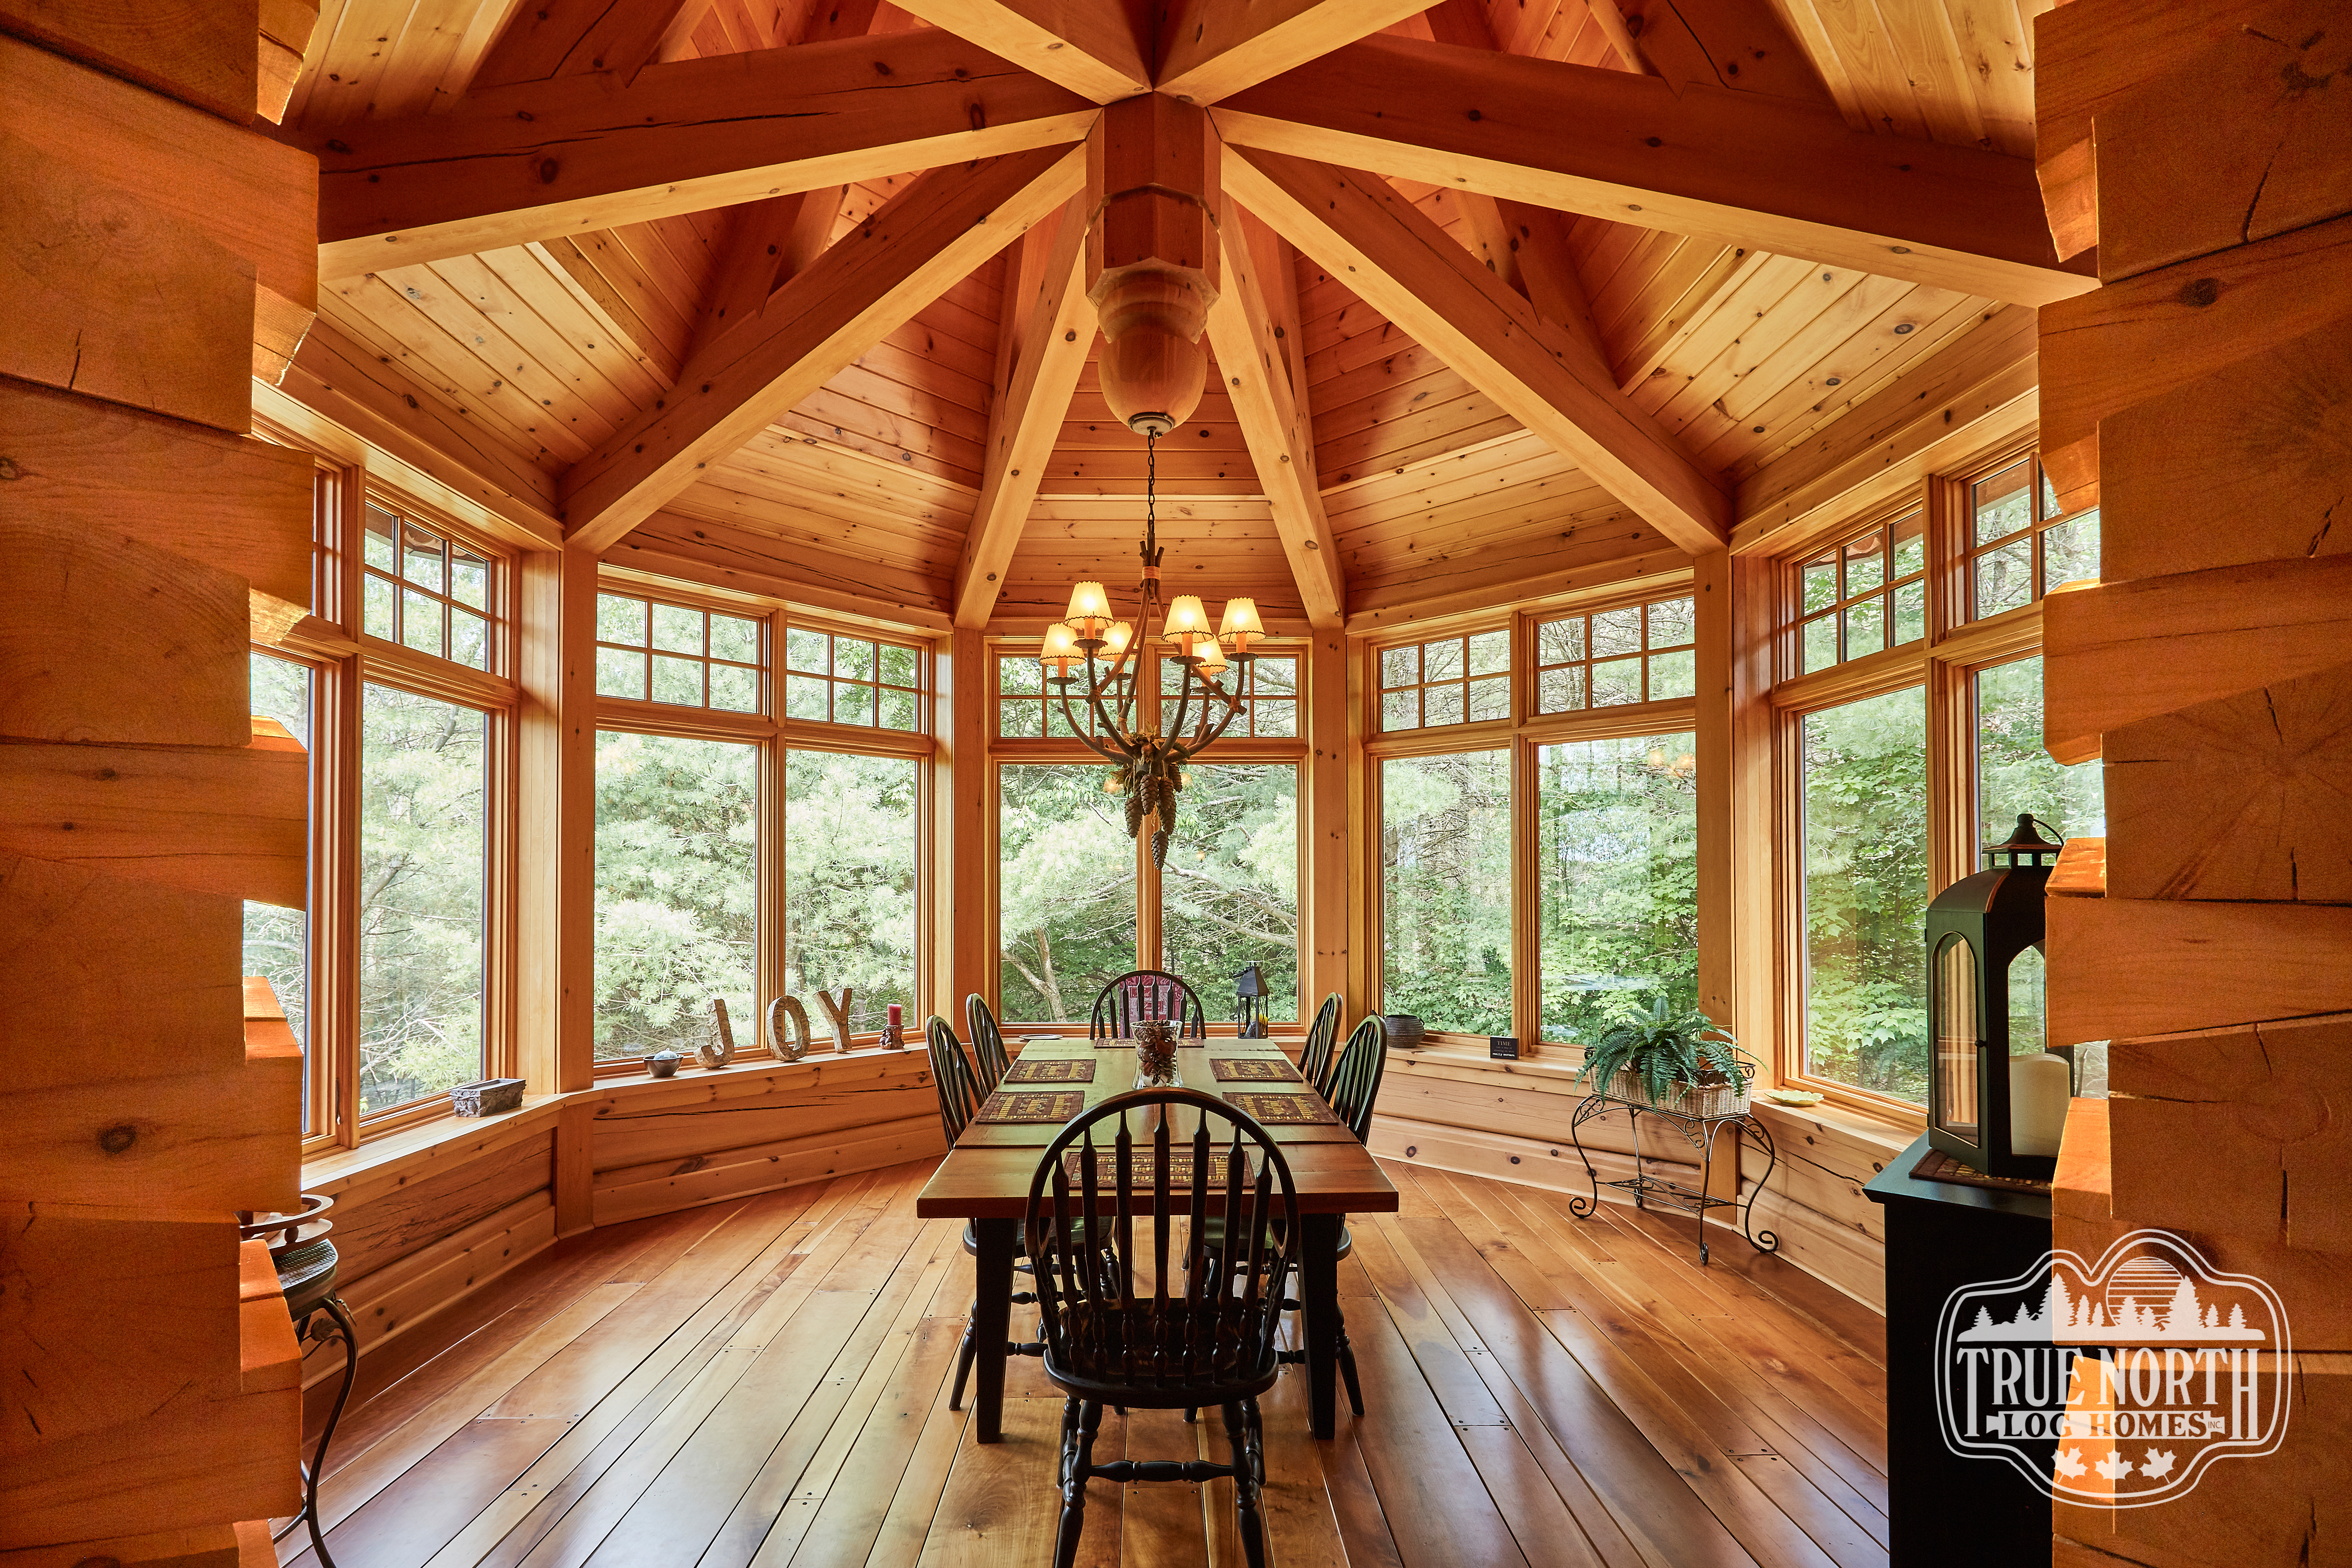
(548, 237)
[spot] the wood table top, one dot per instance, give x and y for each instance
(986, 1175)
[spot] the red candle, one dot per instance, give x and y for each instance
(894, 1014)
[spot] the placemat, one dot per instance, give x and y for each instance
(1281, 1109)
(1253, 1069)
(1140, 1168)
(1034, 1106)
(1050, 1070)
(1938, 1165)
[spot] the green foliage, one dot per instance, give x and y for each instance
(1445, 859)
(849, 881)
(1616, 880)
(423, 886)
(1229, 892)
(1665, 1052)
(1066, 890)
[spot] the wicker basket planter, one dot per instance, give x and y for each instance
(1689, 1100)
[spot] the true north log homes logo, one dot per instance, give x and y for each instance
(2115, 1384)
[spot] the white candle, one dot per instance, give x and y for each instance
(2038, 1090)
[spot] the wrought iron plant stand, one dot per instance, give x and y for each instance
(1700, 1130)
(305, 1263)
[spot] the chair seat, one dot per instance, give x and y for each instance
(1212, 1231)
(1114, 1378)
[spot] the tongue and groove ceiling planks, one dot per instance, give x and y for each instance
(572, 335)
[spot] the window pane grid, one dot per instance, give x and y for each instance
(1029, 705)
(1446, 681)
(1861, 597)
(1269, 697)
(1608, 658)
(679, 655)
(426, 592)
(2020, 546)
(833, 677)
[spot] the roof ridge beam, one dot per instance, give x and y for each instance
(1086, 45)
(1413, 272)
(514, 165)
(1742, 168)
(860, 291)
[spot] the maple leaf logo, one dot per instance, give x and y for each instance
(2070, 1462)
(2156, 1466)
(2114, 1467)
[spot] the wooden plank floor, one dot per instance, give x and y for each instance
(764, 1383)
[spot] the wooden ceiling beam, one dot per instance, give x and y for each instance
(1086, 45)
(1414, 273)
(1054, 332)
(861, 289)
(548, 38)
(1742, 168)
(1273, 413)
(583, 152)
(1211, 48)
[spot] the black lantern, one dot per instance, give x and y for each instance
(1249, 1003)
(1975, 929)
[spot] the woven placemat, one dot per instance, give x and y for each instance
(1938, 1165)
(1032, 1105)
(1282, 1110)
(1142, 1167)
(1253, 1069)
(1051, 1070)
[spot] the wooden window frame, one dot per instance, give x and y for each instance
(2036, 531)
(1231, 748)
(1642, 657)
(501, 612)
(1944, 664)
(1522, 733)
(777, 738)
(762, 667)
(1488, 623)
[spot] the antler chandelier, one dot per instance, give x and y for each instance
(1152, 248)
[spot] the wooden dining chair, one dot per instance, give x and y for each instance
(987, 1042)
(961, 1097)
(1315, 1061)
(1145, 994)
(1112, 1340)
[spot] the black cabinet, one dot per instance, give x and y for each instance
(1941, 1237)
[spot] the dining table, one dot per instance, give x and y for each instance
(985, 1178)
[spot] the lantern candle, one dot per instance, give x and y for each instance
(2039, 1086)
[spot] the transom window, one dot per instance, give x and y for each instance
(844, 679)
(1269, 697)
(2020, 545)
(1446, 680)
(1640, 653)
(652, 652)
(429, 592)
(1029, 706)
(1864, 596)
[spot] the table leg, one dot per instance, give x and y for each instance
(1320, 1311)
(992, 1321)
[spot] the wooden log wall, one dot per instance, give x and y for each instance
(157, 252)
(2200, 394)
(1450, 1108)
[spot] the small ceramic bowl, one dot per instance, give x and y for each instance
(662, 1063)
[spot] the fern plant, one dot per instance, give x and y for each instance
(1665, 1052)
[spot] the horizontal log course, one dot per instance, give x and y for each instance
(2124, 968)
(400, 1216)
(773, 1166)
(404, 1292)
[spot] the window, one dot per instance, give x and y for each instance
(1447, 680)
(429, 592)
(1616, 880)
(1269, 696)
(1230, 887)
(278, 941)
(1867, 594)
(850, 910)
(2015, 774)
(424, 885)
(648, 651)
(1445, 889)
(1029, 706)
(678, 889)
(1865, 887)
(1066, 890)
(2020, 546)
(1640, 653)
(844, 679)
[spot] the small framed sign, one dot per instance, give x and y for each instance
(1503, 1047)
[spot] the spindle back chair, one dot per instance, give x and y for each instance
(987, 1057)
(1147, 994)
(1315, 1061)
